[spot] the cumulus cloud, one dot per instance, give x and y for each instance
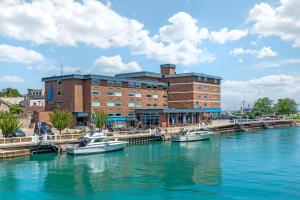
(19, 54)
(114, 64)
(11, 78)
(262, 53)
(282, 21)
(225, 35)
(182, 27)
(272, 86)
(70, 22)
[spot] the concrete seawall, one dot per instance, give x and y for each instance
(13, 147)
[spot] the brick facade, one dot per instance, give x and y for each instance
(121, 95)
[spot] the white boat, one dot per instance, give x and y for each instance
(95, 143)
(189, 135)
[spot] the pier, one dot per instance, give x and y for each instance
(13, 147)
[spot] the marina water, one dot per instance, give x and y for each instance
(255, 165)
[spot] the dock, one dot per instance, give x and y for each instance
(13, 147)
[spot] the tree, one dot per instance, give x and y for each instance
(100, 118)
(16, 109)
(262, 106)
(10, 92)
(286, 106)
(8, 123)
(60, 119)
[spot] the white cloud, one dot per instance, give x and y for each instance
(182, 27)
(240, 60)
(69, 22)
(275, 64)
(11, 78)
(272, 86)
(114, 64)
(282, 21)
(262, 53)
(225, 35)
(19, 54)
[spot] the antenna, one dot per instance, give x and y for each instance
(61, 70)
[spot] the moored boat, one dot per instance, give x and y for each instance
(95, 143)
(189, 135)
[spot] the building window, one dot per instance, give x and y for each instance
(131, 94)
(138, 104)
(131, 84)
(59, 82)
(111, 114)
(138, 85)
(110, 83)
(149, 86)
(95, 103)
(96, 81)
(155, 105)
(205, 79)
(200, 87)
(165, 104)
(118, 83)
(205, 96)
(131, 104)
(148, 104)
(95, 92)
(215, 98)
(165, 96)
(155, 96)
(155, 87)
(216, 81)
(165, 87)
(118, 104)
(216, 89)
(118, 114)
(110, 93)
(131, 114)
(205, 87)
(59, 93)
(149, 96)
(59, 104)
(118, 94)
(110, 104)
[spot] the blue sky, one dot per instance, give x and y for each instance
(253, 45)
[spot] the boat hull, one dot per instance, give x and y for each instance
(189, 138)
(95, 149)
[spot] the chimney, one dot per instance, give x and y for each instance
(168, 69)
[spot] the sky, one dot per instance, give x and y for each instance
(253, 45)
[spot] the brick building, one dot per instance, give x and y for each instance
(139, 99)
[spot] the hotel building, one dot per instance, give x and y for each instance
(139, 99)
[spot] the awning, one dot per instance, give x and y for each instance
(212, 110)
(80, 114)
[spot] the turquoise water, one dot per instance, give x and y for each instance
(258, 165)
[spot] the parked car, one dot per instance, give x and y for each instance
(42, 128)
(17, 133)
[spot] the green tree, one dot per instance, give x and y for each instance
(10, 92)
(262, 106)
(100, 118)
(60, 119)
(286, 106)
(8, 123)
(16, 109)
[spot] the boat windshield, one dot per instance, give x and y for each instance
(101, 140)
(182, 131)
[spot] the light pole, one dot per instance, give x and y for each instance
(198, 106)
